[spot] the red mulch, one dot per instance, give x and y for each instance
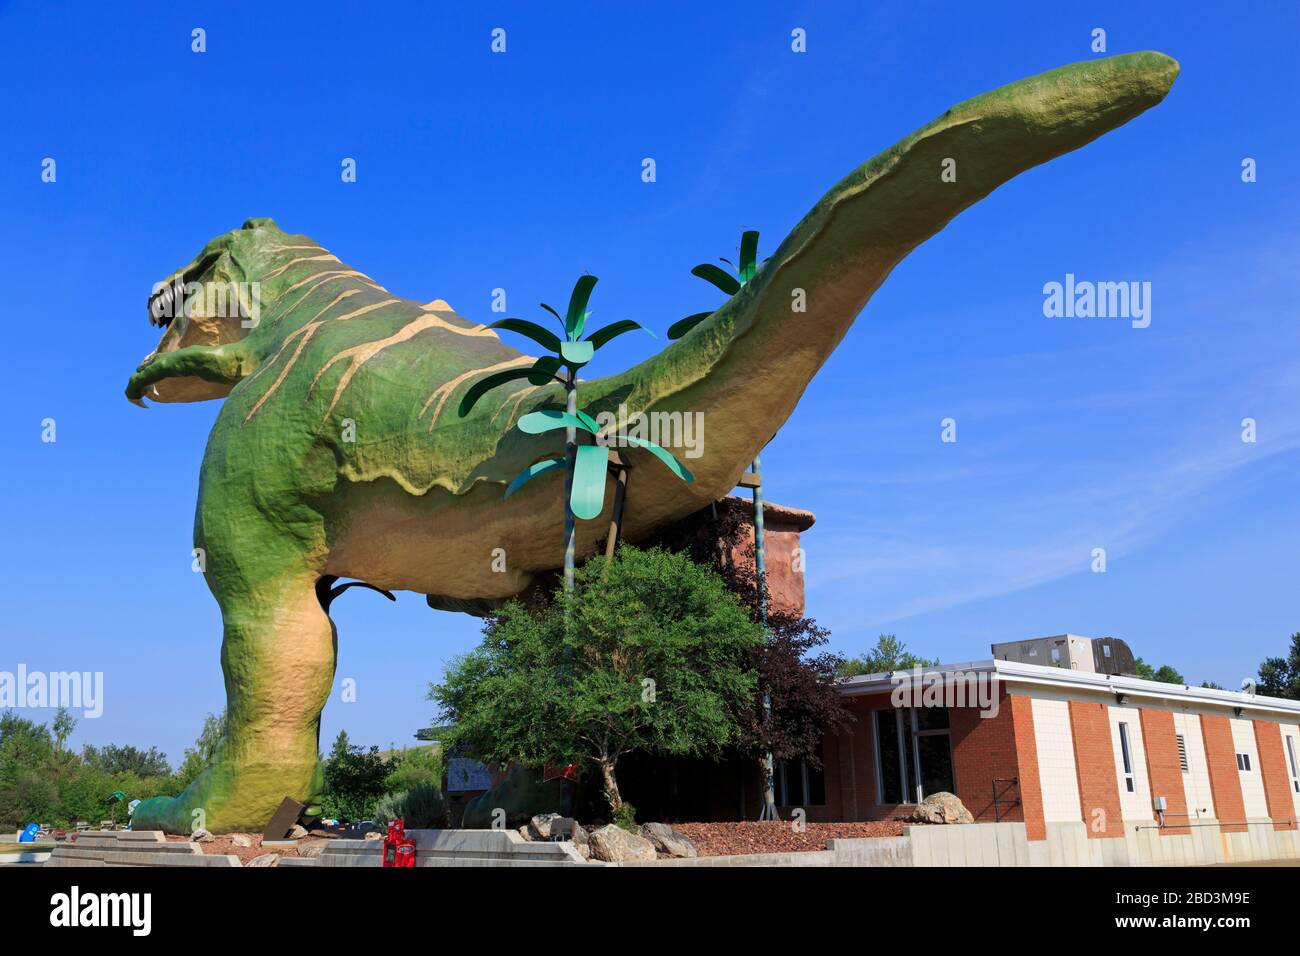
(778, 836)
(223, 844)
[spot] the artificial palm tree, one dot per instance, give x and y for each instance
(746, 267)
(586, 465)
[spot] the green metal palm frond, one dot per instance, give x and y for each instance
(576, 318)
(591, 463)
(723, 280)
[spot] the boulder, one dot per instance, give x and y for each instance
(266, 859)
(667, 840)
(941, 807)
(581, 841)
(298, 832)
(201, 836)
(311, 850)
(526, 833)
(613, 844)
(550, 826)
(241, 839)
(373, 835)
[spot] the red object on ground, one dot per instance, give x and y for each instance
(399, 849)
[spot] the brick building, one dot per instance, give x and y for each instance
(1051, 747)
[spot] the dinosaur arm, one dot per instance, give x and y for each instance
(219, 364)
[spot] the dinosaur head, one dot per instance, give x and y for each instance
(216, 299)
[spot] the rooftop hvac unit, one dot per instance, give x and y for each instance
(1067, 651)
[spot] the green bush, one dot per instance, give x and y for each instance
(421, 807)
(413, 767)
(625, 818)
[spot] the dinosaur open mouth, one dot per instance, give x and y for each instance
(166, 304)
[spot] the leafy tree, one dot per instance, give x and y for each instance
(799, 684)
(1211, 685)
(647, 653)
(1164, 673)
(1280, 676)
(204, 751)
(417, 766)
(889, 654)
(800, 687)
(27, 793)
(126, 759)
(354, 780)
(64, 724)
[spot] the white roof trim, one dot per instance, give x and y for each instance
(1064, 679)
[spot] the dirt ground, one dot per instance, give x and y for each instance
(225, 844)
(778, 836)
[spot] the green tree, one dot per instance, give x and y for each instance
(27, 793)
(113, 759)
(64, 724)
(647, 653)
(889, 654)
(204, 751)
(1280, 676)
(1165, 674)
(354, 780)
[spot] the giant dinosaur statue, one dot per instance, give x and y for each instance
(339, 451)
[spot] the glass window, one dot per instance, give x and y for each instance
(913, 754)
(1127, 756)
(888, 757)
(1295, 770)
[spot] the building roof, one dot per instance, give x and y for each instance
(1064, 680)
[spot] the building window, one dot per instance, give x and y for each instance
(799, 784)
(1243, 762)
(913, 754)
(1127, 754)
(1182, 753)
(1295, 769)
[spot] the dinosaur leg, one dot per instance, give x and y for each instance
(278, 657)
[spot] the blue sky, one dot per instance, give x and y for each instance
(521, 170)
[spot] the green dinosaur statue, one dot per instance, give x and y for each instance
(339, 452)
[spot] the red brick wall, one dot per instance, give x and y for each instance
(1225, 779)
(1164, 771)
(1277, 779)
(1031, 793)
(1094, 761)
(984, 750)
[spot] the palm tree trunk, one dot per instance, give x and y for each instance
(570, 458)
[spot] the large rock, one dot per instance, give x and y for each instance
(241, 839)
(298, 832)
(266, 859)
(613, 844)
(667, 840)
(941, 807)
(201, 836)
(550, 826)
(581, 841)
(312, 850)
